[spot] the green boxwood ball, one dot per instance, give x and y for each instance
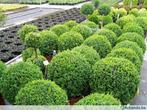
(41, 92)
(26, 29)
(2, 68)
(70, 70)
(59, 29)
(104, 9)
(95, 18)
(134, 11)
(128, 54)
(16, 76)
(111, 36)
(84, 30)
(115, 28)
(96, 3)
(70, 40)
(49, 42)
(142, 21)
(107, 19)
(133, 27)
(70, 24)
(98, 99)
(100, 43)
(132, 36)
(87, 9)
(131, 45)
(89, 53)
(117, 76)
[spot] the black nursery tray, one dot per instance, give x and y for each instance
(10, 44)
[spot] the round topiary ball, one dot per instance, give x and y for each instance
(106, 20)
(133, 27)
(49, 43)
(134, 11)
(87, 9)
(70, 24)
(89, 53)
(85, 31)
(131, 45)
(132, 36)
(111, 36)
(95, 18)
(128, 54)
(2, 68)
(98, 99)
(26, 29)
(100, 43)
(16, 76)
(59, 29)
(142, 21)
(117, 76)
(41, 92)
(96, 3)
(104, 9)
(115, 28)
(70, 70)
(70, 40)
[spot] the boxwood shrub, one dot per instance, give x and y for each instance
(145, 3)
(16, 76)
(95, 18)
(49, 42)
(131, 45)
(142, 21)
(104, 9)
(111, 36)
(25, 30)
(98, 99)
(70, 40)
(142, 12)
(128, 3)
(70, 24)
(41, 92)
(107, 19)
(2, 68)
(70, 70)
(84, 30)
(100, 43)
(117, 76)
(134, 11)
(133, 27)
(87, 9)
(96, 3)
(115, 28)
(128, 54)
(89, 53)
(132, 36)
(59, 29)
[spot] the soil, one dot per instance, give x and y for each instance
(72, 101)
(2, 102)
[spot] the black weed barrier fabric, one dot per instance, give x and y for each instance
(10, 44)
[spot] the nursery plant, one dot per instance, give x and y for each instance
(99, 99)
(130, 3)
(87, 9)
(70, 24)
(97, 19)
(70, 70)
(2, 69)
(96, 3)
(16, 76)
(104, 9)
(117, 76)
(41, 92)
(134, 11)
(100, 43)
(142, 21)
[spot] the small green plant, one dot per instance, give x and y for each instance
(142, 21)
(2, 68)
(106, 20)
(96, 3)
(117, 76)
(2, 18)
(16, 76)
(70, 24)
(26, 29)
(87, 9)
(70, 40)
(134, 11)
(130, 3)
(70, 70)
(95, 18)
(145, 3)
(100, 43)
(104, 9)
(41, 92)
(98, 99)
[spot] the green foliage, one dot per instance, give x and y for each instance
(16, 76)
(2, 17)
(142, 21)
(41, 92)
(125, 19)
(104, 9)
(26, 29)
(98, 99)
(49, 42)
(134, 11)
(131, 36)
(106, 20)
(87, 9)
(65, 2)
(142, 12)
(130, 3)
(89, 53)
(84, 30)
(111, 36)
(145, 3)
(70, 40)
(100, 43)
(130, 45)
(96, 3)
(116, 76)
(59, 29)
(2, 68)
(128, 54)
(70, 24)
(133, 27)
(70, 70)
(95, 18)
(115, 28)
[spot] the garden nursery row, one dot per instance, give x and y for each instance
(95, 62)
